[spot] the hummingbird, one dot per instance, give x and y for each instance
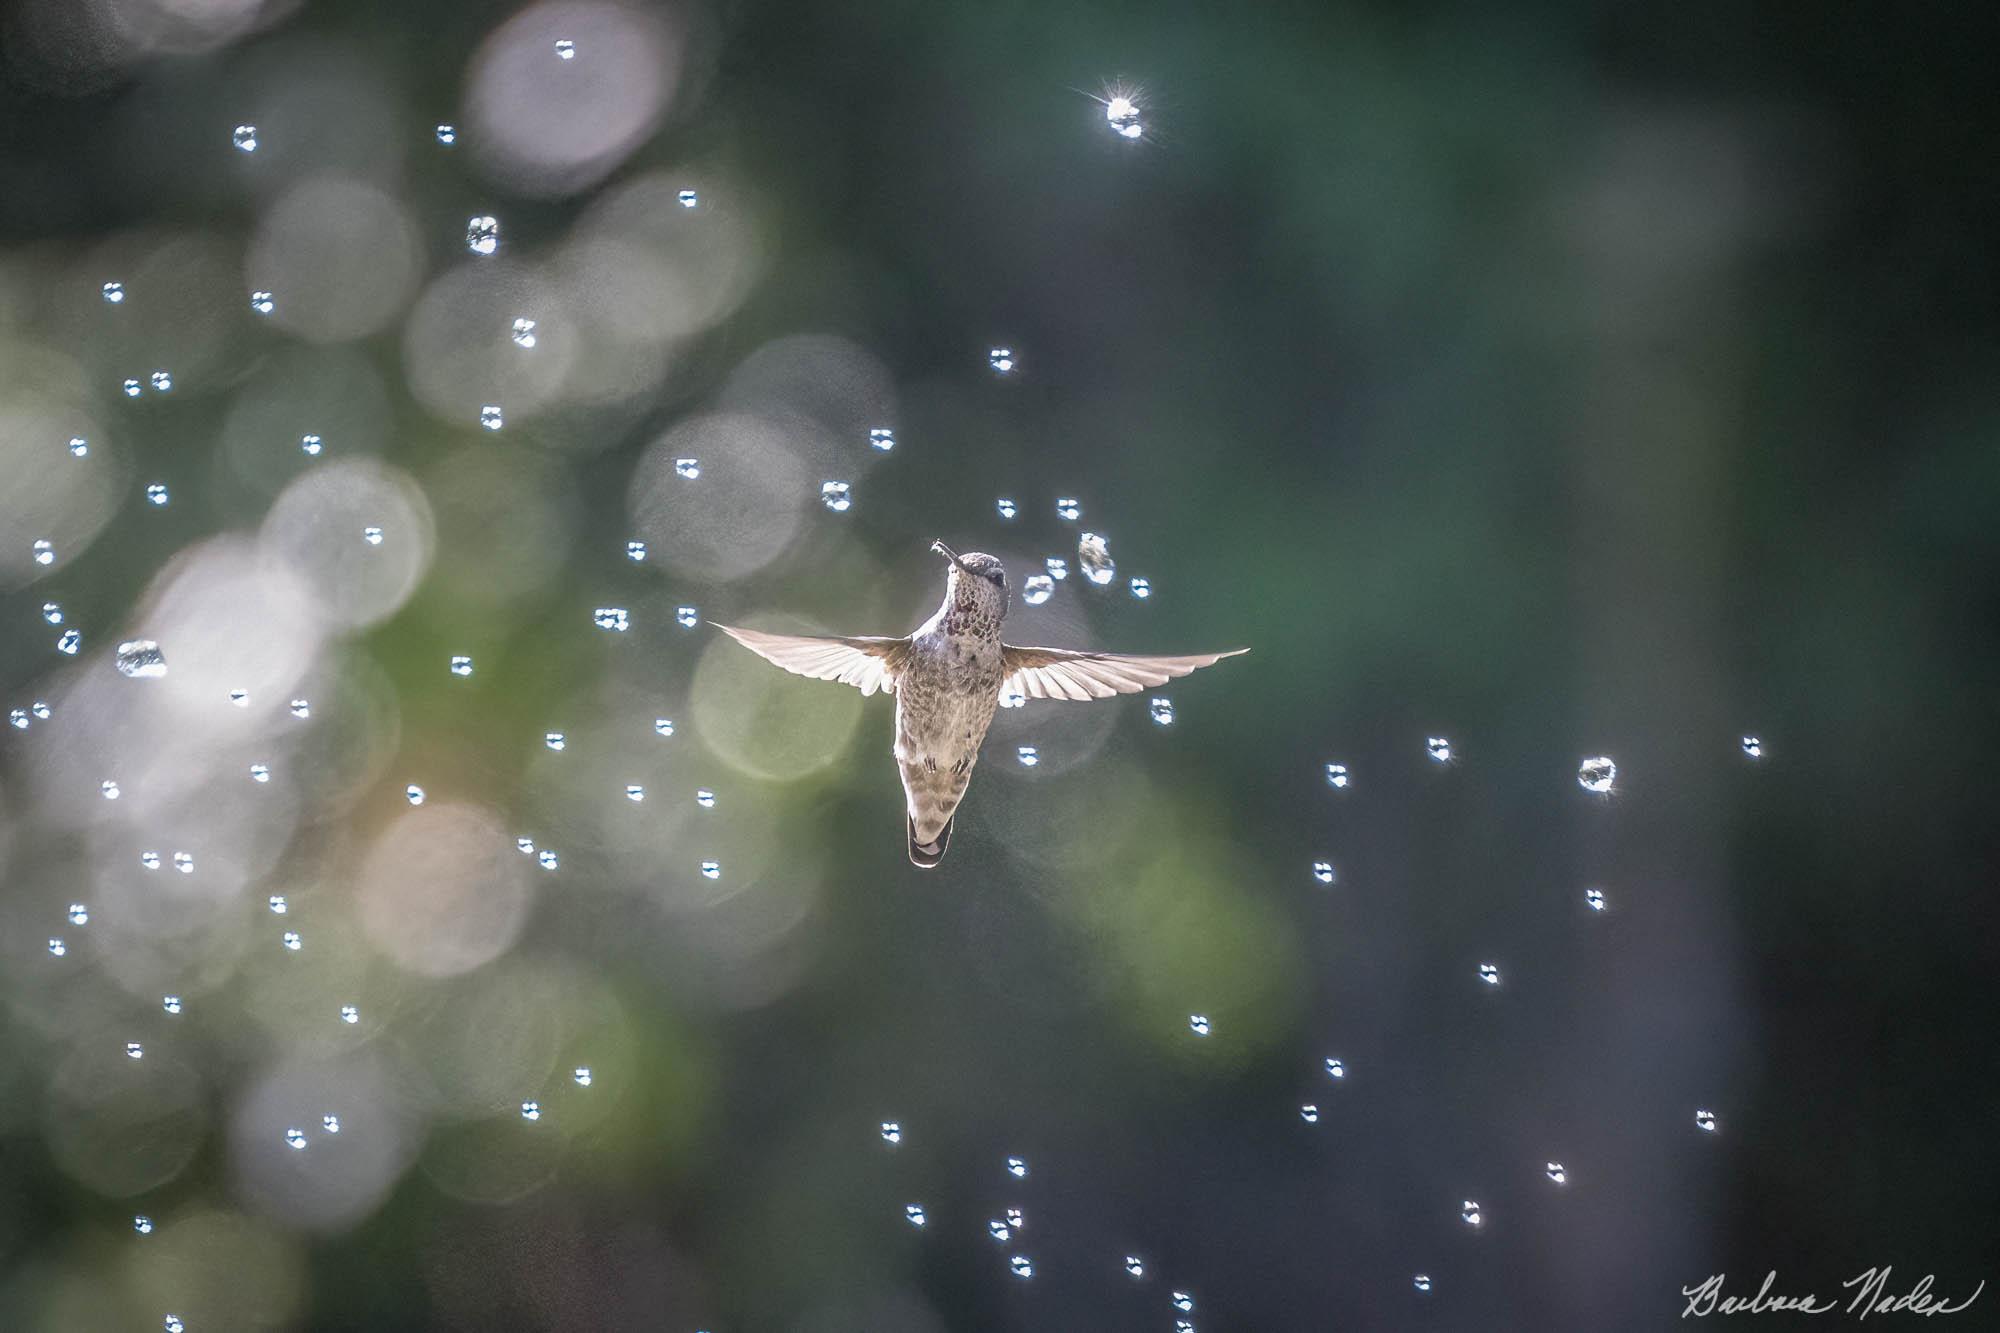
(948, 676)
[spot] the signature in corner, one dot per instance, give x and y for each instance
(1871, 1296)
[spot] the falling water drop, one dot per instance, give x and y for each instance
(635, 552)
(1555, 1172)
(914, 1214)
(1017, 1167)
(1001, 359)
(69, 641)
(1489, 974)
(1596, 774)
(296, 1137)
(614, 618)
(687, 198)
(1198, 1024)
(688, 468)
(163, 381)
(687, 616)
(1142, 588)
(1595, 898)
(1135, 1265)
(156, 493)
(262, 303)
(1005, 506)
(1336, 775)
(882, 438)
(1439, 748)
(1093, 557)
(1309, 1113)
(1704, 1120)
(1753, 747)
(490, 417)
(482, 234)
(580, 1076)
(834, 495)
(461, 666)
(245, 138)
(1323, 871)
(447, 135)
(350, 1014)
(311, 445)
(1037, 588)
(171, 1003)
(1028, 755)
(711, 869)
(1162, 710)
(1057, 566)
(1335, 1068)
(114, 293)
(524, 332)
(1468, 1213)
(531, 1110)
(413, 794)
(892, 1132)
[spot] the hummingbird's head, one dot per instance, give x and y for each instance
(976, 580)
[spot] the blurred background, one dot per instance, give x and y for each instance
(440, 926)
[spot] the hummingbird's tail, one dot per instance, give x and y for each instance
(926, 855)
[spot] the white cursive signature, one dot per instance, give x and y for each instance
(1870, 1297)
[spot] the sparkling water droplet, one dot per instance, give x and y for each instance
(1135, 1265)
(301, 708)
(580, 1076)
(565, 49)
(78, 446)
(531, 1110)
(1142, 589)
(262, 303)
(142, 1224)
(1162, 710)
(1323, 871)
(882, 438)
(79, 914)
(133, 388)
(461, 666)
(635, 551)
(554, 740)
(56, 947)
(330, 1123)
(1005, 506)
(141, 659)
(1068, 508)
(156, 493)
(712, 869)
(69, 641)
(1439, 748)
(704, 798)
(1021, 1267)
(134, 1051)
(1309, 1113)
(1468, 1213)
(1013, 699)
(172, 1324)
(663, 726)
(350, 1014)
(687, 616)
(171, 1003)
(524, 332)
(1198, 1024)
(1336, 775)
(998, 1230)
(914, 1214)
(184, 863)
(1028, 755)
(163, 381)
(1596, 774)
(1015, 1219)
(834, 495)
(45, 551)
(372, 535)
(278, 904)
(19, 717)
(1037, 588)
(547, 859)
(1057, 566)
(892, 1132)
(687, 198)
(290, 939)
(1335, 1068)
(634, 792)
(482, 234)
(1753, 747)
(311, 444)
(245, 138)
(1595, 897)
(1001, 359)
(688, 468)
(1489, 974)
(1182, 1301)
(150, 860)
(109, 789)
(1122, 115)
(296, 1137)
(1017, 1167)
(1704, 1120)
(447, 135)
(1093, 557)
(525, 846)
(40, 709)
(490, 417)
(1422, 1282)
(1554, 1171)
(413, 794)
(614, 618)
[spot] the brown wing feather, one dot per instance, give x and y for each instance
(1058, 673)
(868, 663)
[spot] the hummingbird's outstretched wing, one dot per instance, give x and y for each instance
(868, 663)
(1057, 673)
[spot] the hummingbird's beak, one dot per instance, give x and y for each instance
(949, 554)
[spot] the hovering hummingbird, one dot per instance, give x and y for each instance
(948, 677)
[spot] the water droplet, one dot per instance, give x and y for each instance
(109, 789)
(482, 234)
(580, 1076)
(79, 914)
(1013, 699)
(554, 740)
(1162, 710)
(1142, 589)
(1422, 1282)
(531, 1110)
(490, 417)
(350, 1014)
(40, 709)
(524, 332)
(45, 552)
(1489, 974)
(1595, 897)
(687, 616)
(19, 717)
(525, 846)
(1135, 1265)
(447, 135)
(330, 1123)
(413, 794)
(1068, 508)
(1037, 588)
(1001, 359)
(69, 642)
(301, 708)
(1704, 1120)
(372, 535)
(114, 293)
(262, 303)
(184, 863)
(163, 381)
(834, 495)
(1336, 775)
(565, 49)
(704, 798)
(134, 1051)
(1752, 746)
(687, 198)
(547, 858)
(892, 1132)
(1468, 1213)
(1439, 748)
(1005, 506)
(914, 1214)
(311, 444)
(1017, 1167)
(634, 792)
(296, 1137)
(998, 1230)
(1021, 1266)
(1093, 557)
(882, 438)
(1057, 566)
(1596, 774)
(635, 552)
(1182, 1302)
(1198, 1024)
(279, 906)
(56, 947)
(1335, 1068)
(156, 494)
(141, 659)
(1028, 755)
(290, 939)
(150, 860)
(712, 869)
(172, 1324)
(133, 388)
(171, 1003)
(614, 618)
(461, 666)
(1122, 115)
(78, 446)
(1554, 1171)
(663, 726)
(142, 1224)
(1323, 871)
(689, 468)
(1309, 1113)
(245, 138)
